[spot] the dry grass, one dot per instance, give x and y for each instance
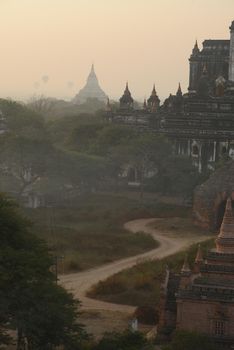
(178, 227)
(140, 285)
(91, 233)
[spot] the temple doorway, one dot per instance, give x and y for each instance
(132, 175)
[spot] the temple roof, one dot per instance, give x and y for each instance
(219, 282)
(153, 99)
(220, 294)
(210, 45)
(213, 42)
(217, 268)
(126, 99)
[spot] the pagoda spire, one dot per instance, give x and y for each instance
(199, 256)
(92, 74)
(185, 267)
(225, 240)
(179, 91)
(198, 260)
(126, 101)
(92, 78)
(153, 101)
(196, 48)
(91, 89)
(185, 275)
(127, 88)
(154, 93)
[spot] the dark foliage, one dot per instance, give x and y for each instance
(42, 313)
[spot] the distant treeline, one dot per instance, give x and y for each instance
(61, 158)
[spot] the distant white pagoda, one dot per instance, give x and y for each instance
(91, 89)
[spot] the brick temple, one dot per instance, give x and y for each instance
(210, 197)
(199, 122)
(201, 298)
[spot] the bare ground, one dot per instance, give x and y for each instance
(111, 316)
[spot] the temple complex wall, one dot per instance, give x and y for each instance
(231, 59)
(205, 317)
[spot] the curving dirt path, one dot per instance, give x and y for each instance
(79, 283)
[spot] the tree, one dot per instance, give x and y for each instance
(63, 130)
(190, 340)
(22, 120)
(52, 320)
(41, 104)
(84, 137)
(112, 136)
(24, 159)
(178, 176)
(43, 314)
(147, 153)
(124, 341)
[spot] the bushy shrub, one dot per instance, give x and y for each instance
(146, 315)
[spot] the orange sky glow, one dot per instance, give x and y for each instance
(142, 41)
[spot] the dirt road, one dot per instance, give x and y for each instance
(79, 283)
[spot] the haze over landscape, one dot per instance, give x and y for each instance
(117, 174)
(47, 47)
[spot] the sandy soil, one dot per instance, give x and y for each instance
(100, 317)
(79, 283)
(99, 322)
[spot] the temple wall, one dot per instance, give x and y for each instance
(204, 153)
(192, 316)
(201, 316)
(231, 59)
(207, 202)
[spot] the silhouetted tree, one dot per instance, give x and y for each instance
(43, 314)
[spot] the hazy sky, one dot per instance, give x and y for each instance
(142, 41)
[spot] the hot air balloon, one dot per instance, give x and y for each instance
(45, 79)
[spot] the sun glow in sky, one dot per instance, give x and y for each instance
(142, 41)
